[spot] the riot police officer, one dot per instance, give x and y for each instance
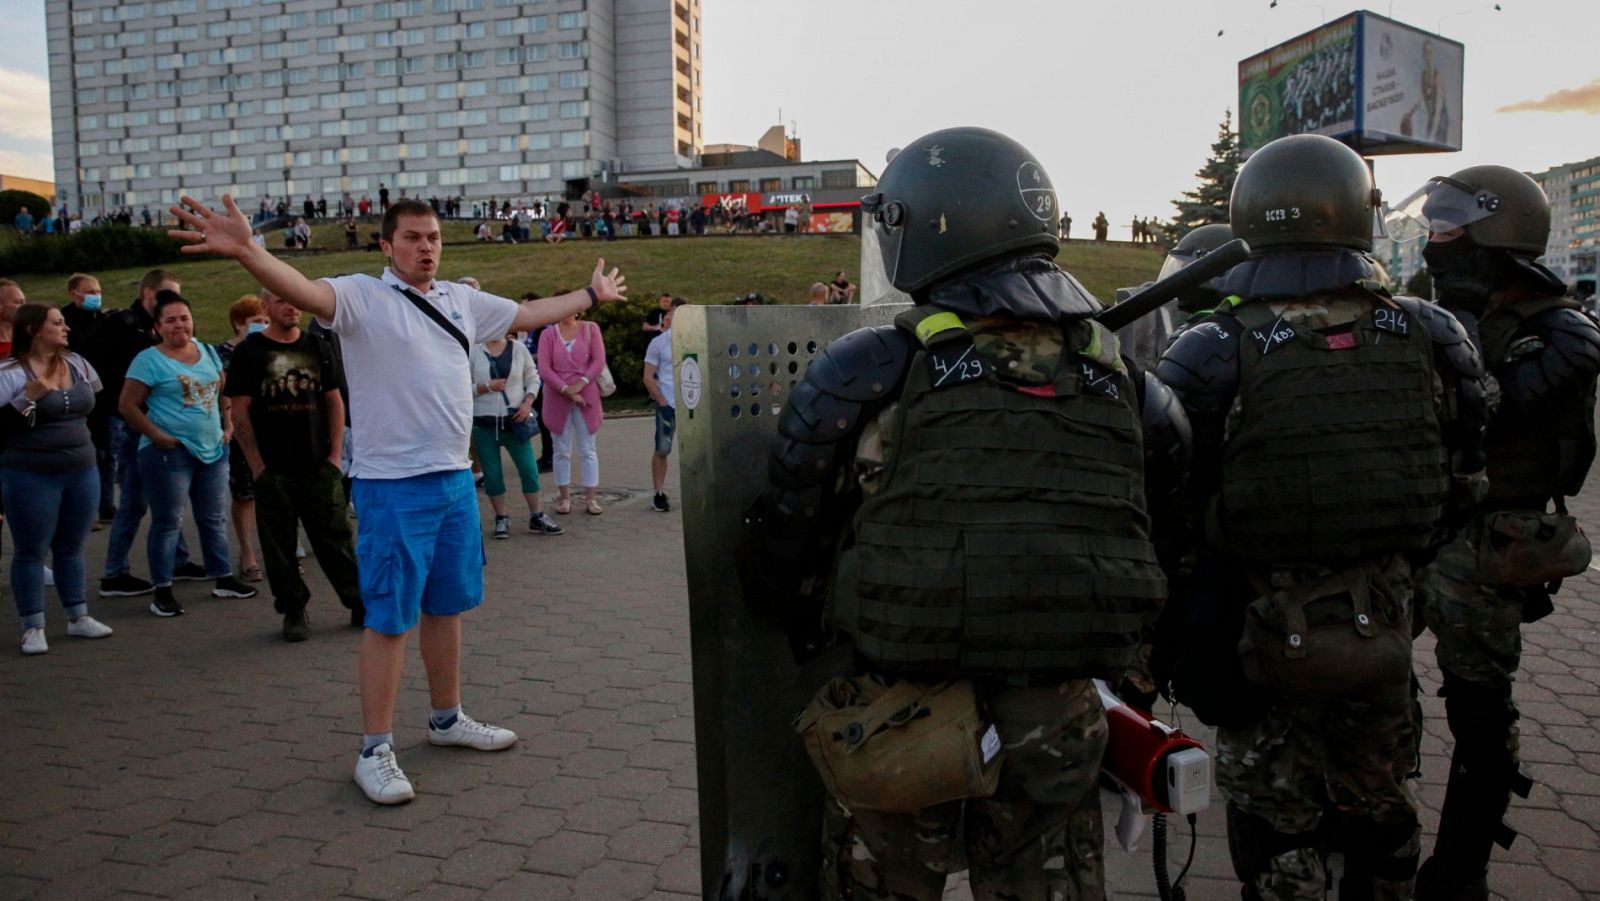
(1487, 225)
(960, 499)
(1336, 430)
(1144, 339)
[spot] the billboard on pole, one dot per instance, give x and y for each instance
(1411, 88)
(1371, 82)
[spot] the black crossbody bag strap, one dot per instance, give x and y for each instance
(432, 312)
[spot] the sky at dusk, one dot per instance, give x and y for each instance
(1119, 100)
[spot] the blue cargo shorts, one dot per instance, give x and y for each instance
(419, 548)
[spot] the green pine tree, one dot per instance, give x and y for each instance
(1208, 202)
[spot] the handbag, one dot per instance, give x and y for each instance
(902, 746)
(520, 431)
(1532, 547)
(607, 384)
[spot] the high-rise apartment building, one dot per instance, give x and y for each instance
(324, 98)
(1574, 192)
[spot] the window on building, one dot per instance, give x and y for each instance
(804, 183)
(735, 185)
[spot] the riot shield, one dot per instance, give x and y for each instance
(760, 799)
(1144, 339)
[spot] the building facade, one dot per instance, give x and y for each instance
(1574, 192)
(327, 98)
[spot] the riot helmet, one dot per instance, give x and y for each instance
(1499, 208)
(955, 198)
(1194, 245)
(1304, 192)
(1486, 226)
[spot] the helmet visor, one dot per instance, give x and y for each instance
(886, 219)
(1177, 260)
(1441, 205)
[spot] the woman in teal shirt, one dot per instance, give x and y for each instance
(172, 396)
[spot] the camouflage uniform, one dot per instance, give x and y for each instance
(1347, 755)
(1040, 834)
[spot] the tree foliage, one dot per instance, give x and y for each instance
(1208, 202)
(12, 202)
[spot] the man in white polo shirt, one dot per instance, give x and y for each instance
(404, 339)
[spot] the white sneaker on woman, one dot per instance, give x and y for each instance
(88, 627)
(33, 641)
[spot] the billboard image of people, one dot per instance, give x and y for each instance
(1411, 86)
(1371, 82)
(1306, 85)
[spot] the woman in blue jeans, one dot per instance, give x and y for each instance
(171, 397)
(48, 471)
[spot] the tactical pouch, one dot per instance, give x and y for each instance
(1323, 639)
(1531, 547)
(900, 747)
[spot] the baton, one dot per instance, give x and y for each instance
(1193, 275)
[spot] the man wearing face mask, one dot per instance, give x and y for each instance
(82, 311)
(1486, 228)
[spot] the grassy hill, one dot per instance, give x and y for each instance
(704, 270)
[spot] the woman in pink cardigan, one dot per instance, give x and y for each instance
(571, 356)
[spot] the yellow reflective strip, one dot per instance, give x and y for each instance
(938, 322)
(1093, 350)
(1233, 300)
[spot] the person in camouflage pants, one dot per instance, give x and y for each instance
(1328, 772)
(1041, 828)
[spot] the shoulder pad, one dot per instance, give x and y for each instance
(1448, 334)
(849, 381)
(1202, 365)
(1569, 322)
(864, 365)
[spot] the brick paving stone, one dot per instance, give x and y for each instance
(394, 876)
(617, 879)
(566, 853)
(525, 886)
(646, 842)
(483, 864)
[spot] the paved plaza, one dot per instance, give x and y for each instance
(202, 757)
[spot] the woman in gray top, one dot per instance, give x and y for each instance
(47, 470)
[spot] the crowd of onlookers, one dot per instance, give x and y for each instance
(112, 414)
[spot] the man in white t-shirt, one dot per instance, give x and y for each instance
(404, 339)
(658, 381)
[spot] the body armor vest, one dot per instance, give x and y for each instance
(1336, 453)
(1009, 534)
(1533, 461)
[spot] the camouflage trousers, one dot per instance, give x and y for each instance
(1350, 754)
(1478, 626)
(1037, 839)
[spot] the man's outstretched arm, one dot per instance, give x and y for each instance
(227, 233)
(606, 286)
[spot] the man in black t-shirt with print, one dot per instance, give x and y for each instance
(288, 419)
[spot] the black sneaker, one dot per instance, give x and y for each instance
(165, 604)
(190, 572)
(107, 514)
(229, 587)
(541, 524)
(502, 527)
(295, 626)
(660, 504)
(126, 585)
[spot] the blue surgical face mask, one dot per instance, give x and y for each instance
(91, 301)
(254, 327)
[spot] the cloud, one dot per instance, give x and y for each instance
(24, 105)
(1585, 99)
(27, 165)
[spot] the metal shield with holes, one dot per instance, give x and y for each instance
(760, 798)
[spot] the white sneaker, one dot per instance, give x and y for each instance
(33, 641)
(469, 733)
(88, 627)
(380, 777)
